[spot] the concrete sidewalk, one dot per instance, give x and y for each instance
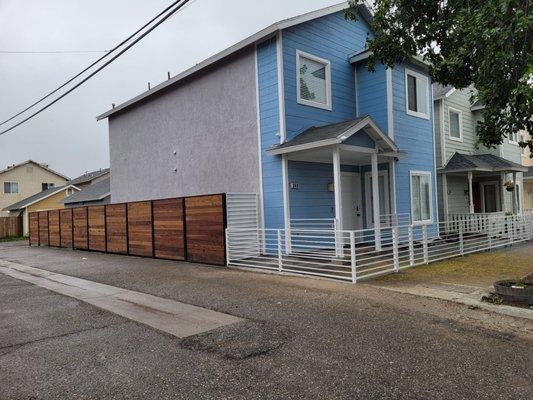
(173, 317)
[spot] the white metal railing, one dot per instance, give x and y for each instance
(314, 223)
(395, 219)
(317, 252)
(475, 222)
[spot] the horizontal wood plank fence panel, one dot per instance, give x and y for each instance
(53, 228)
(183, 229)
(116, 229)
(205, 224)
(34, 229)
(43, 229)
(140, 233)
(97, 231)
(11, 227)
(80, 229)
(65, 220)
(169, 232)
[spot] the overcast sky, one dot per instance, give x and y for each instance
(67, 136)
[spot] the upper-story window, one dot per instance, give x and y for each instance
(11, 187)
(456, 124)
(513, 138)
(417, 94)
(313, 81)
(46, 186)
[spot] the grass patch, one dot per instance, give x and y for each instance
(481, 269)
(13, 239)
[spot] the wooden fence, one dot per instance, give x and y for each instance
(190, 229)
(10, 227)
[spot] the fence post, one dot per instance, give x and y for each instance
(352, 254)
(425, 243)
(411, 247)
(227, 243)
(461, 241)
(395, 248)
(489, 233)
(280, 253)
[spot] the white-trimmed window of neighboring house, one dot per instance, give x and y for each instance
(417, 94)
(456, 124)
(313, 81)
(421, 204)
(70, 191)
(46, 186)
(513, 138)
(525, 149)
(11, 187)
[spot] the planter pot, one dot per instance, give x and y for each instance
(514, 294)
(509, 189)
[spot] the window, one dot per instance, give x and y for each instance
(11, 187)
(513, 138)
(421, 204)
(456, 124)
(417, 94)
(46, 186)
(70, 191)
(314, 81)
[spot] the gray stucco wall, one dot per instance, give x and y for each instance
(209, 121)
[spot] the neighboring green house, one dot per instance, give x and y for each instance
(472, 179)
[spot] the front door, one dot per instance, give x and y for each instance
(351, 202)
(490, 199)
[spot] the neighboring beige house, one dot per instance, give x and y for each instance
(527, 161)
(94, 189)
(23, 180)
(472, 179)
(49, 199)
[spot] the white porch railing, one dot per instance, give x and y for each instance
(316, 252)
(314, 223)
(476, 222)
(395, 219)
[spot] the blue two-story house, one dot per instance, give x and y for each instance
(293, 115)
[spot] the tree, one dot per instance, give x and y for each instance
(484, 43)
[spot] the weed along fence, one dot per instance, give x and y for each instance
(186, 229)
(10, 227)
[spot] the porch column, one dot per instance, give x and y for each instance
(445, 199)
(286, 202)
(515, 197)
(502, 191)
(338, 200)
(470, 193)
(392, 184)
(375, 200)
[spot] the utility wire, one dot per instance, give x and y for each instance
(90, 66)
(52, 52)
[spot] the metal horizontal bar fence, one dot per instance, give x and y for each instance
(354, 255)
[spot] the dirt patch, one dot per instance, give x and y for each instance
(239, 341)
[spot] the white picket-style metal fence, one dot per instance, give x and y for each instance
(352, 255)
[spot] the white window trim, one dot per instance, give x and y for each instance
(515, 142)
(311, 103)
(455, 110)
(368, 191)
(10, 183)
(421, 173)
(421, 77)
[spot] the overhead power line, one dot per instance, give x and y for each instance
(168, 9)
(51, 51)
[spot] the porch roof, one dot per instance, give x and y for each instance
(333, 134)
(482, 163)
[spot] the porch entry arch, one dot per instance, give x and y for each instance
(357, 144)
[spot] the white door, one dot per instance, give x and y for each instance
(351, 201)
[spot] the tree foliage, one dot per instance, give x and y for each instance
(486, 44)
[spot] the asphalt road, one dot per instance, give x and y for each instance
(302, 339)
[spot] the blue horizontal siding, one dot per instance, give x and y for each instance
(333, 38)
(269, 128)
